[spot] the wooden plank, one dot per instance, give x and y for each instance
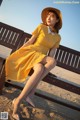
(67, 61)
(3, 25)
(2, 78)
(54, 80)
(69, 50)
(47, 97)
(1, 32)
(10, 36)
(62, 84)
(70, 68)
(76, 61)
(1, 64)
(4, 34)
(58, 101)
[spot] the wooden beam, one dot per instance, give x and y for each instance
(62, 84)
(47, 97)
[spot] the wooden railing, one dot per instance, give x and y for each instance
(66, 58)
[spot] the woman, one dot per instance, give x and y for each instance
(33, 54)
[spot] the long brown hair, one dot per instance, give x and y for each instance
(56, 27)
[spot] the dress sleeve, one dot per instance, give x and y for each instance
(37, 30)
(58, 42)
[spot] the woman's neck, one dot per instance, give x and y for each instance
(52, 29)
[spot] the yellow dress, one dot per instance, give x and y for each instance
(19, 63)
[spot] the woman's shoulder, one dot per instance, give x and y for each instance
(41, 25)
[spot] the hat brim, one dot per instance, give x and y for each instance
(45, 12)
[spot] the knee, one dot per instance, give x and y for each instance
(52, 61)
(39, 68)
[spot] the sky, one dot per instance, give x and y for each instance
(26, 15)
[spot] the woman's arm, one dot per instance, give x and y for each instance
(51, 52)
(30, 41)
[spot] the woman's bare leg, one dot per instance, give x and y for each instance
(50, 64)
(38, 70)
(39, 74)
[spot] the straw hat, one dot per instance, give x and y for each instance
(45, 12)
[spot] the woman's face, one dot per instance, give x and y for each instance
(51, 19)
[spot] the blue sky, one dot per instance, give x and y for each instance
(26, 15)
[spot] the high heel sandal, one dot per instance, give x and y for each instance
(30, 102)
(15, 116)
